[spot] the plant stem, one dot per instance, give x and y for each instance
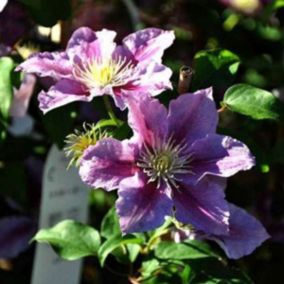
(110, 110)
(222, 109)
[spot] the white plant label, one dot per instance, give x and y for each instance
(64, 196)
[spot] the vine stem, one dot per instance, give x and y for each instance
(110, 110)
(223, 108)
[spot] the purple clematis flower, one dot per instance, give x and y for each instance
(245, 234)
(175, 164)
(93, 65)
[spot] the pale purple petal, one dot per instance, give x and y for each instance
(141, 206)
(193, 116)
(246, 234)
(148, 118)
(48, 64)
(107, 163)
(149, 44)
(120, 98)
(81, 35)
(62, 93)
(153, 78)
(123, 52)
(84, 45)
(203, 206)
(16, 232)
(219, 155)
(106, 44)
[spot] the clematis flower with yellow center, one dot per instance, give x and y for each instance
(94, 65)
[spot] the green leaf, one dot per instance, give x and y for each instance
(214, 68)
(174, 271)
(149, 267)
(48, 12)
(274, 5)
(70, 239)
(133, 251)
(214, 271)
(253, 102)
(126, 253)
(110, 225)
(122, 248)
(6, 93)
(6, 88)
(113, 243)
(186, 274)
(184, 250)
(271, 8)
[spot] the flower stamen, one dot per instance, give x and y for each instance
(165, 162)
(99, 72)
(79, 141)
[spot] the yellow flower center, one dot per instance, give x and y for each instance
(162, 163)
(78, 142)
(82, 142)
(103, 72)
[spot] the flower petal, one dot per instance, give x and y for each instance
(203, 206)
(16, 233)
(149, 44)
(192, 116)
(141, 206)
(246, 234)
(107, 163)
(153, 78)
(48, 64)
(62, 93)
(86, 44)
(83, 34)
(220, 155)
(148, 118)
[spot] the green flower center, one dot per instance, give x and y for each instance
(162, 163)
(166, 162)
